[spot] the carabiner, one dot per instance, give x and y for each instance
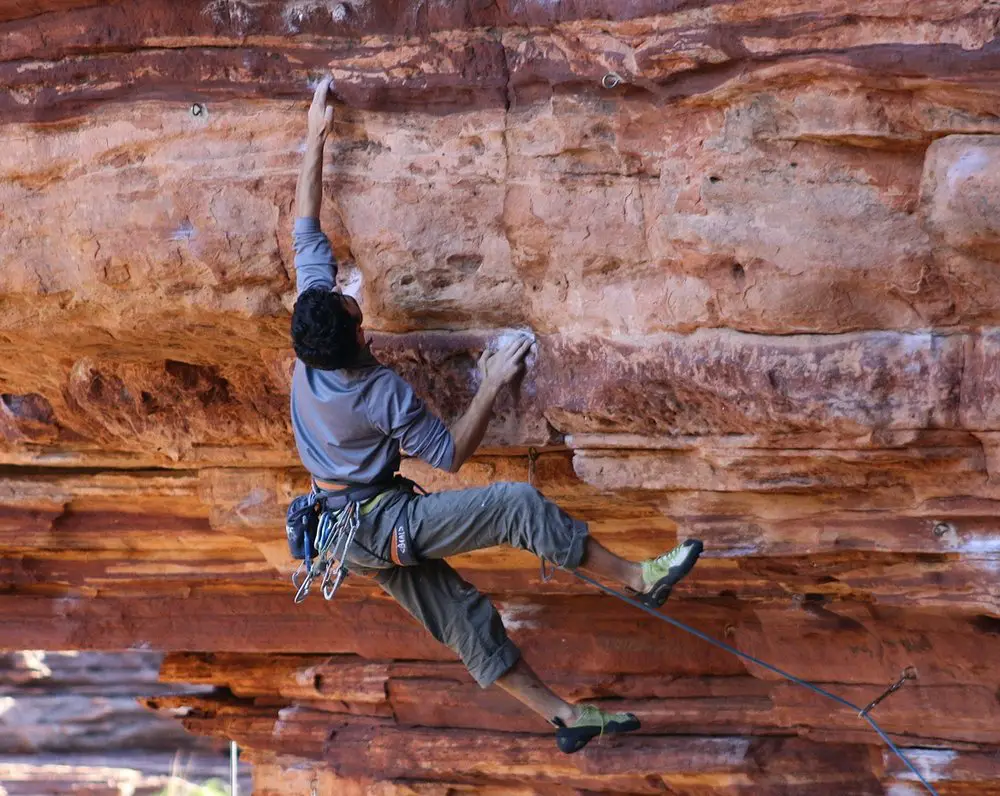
(612, 80)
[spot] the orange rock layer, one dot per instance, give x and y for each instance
(763, 273)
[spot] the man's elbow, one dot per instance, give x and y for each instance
(458, 455)
(456, 463)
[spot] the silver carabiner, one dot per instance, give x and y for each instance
(302, 590)
(329, 590)
(327, 561)
(300, 571)
(612, 80)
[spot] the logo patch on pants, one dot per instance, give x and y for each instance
(402, 548)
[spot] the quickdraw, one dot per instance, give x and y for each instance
(909, 673)
(545, 573)
(329, 564)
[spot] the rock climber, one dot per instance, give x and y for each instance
(351, 416)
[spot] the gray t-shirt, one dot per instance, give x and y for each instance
(350, 424)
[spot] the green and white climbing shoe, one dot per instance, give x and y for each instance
(592, 722)
(660, 575)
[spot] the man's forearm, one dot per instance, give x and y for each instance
(309, 193)
(468, 431)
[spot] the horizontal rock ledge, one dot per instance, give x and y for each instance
(276, 774)
(947, 645)
(711, 383)
(449, 58)
(442, 695)
(351, 747)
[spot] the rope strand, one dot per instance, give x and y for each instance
(862, 712)
(791, 677)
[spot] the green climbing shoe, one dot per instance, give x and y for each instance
(661, 574)
(592, 722)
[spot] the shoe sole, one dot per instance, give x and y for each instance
(572, 739)
(658, 595)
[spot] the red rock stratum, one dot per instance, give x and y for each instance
(764, 272)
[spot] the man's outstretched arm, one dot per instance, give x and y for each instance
(309, 192)
(314, 262)
(496, 370)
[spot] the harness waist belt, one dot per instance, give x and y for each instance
(336, 497)
(330, 486)
(334, 501)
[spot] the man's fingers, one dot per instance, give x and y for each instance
(517, 345)
(319, 97)
(522, 348)
(508, 360)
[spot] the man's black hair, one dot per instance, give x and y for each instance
(324, 333)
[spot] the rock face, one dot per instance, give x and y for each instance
(762, 261)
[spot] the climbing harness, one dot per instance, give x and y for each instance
(321, 526)
(908, 674)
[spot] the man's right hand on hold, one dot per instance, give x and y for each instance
(496, 369)
(321, 111)
(504, 365)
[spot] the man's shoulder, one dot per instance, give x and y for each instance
(385, 378)
(332, 383)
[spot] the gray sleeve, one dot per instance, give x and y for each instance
(315, 265)
(396, 411)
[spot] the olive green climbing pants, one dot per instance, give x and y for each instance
(449, 523)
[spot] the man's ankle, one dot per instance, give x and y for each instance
(569, 715)
(638, 582)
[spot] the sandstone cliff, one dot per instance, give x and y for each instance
(764, 272)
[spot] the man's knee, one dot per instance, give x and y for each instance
(539, 525)
(519, 493)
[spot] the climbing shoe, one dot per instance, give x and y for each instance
(660, 575)
(592, 722)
